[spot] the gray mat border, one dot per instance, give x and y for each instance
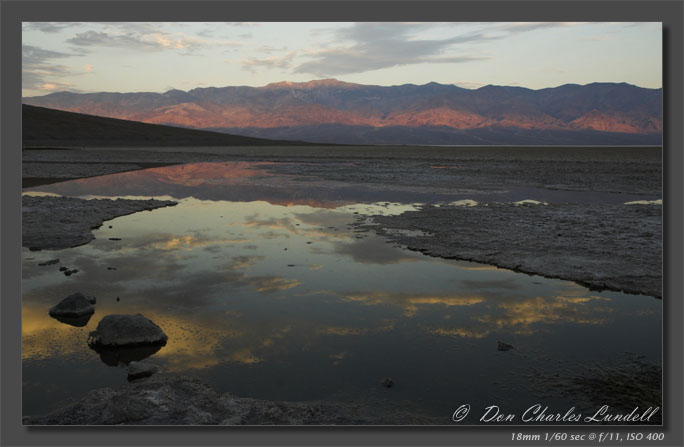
(670, 13)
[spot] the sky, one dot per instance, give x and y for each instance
(157, 57)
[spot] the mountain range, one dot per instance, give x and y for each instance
(331, 111)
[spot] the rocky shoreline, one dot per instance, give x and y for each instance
(54, 223)
(602, 247)
(183, 400)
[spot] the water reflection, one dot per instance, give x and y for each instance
(126, 354)
(238, 181)
(73, 321)
(288, 302)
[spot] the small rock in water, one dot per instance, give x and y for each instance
(110, 226)
(111, 268)
(50, 262)
(67, 273)
(114, 238)
(75, 305)
(126, 330)
(63, 269)
(387, 381)
(290, 265)
(501, 346)
(138, 370)
(117, 299)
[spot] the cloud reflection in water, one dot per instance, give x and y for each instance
(288, 289)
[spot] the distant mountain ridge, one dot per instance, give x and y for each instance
(607, 111)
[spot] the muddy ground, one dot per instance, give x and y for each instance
(600, 246)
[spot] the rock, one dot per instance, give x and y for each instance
(114, 238)
(126, 330)
(501, 346)
(63, 269)
(111, 268)
(188, 401)
(387, 381)
(76, 305)
(50, 262)
(138, 370)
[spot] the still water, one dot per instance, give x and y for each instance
(266, 290)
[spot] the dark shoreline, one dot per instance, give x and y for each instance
(29, 182)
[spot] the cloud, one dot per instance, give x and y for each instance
(520, 27)
(38, 73)
(374, 46)
(146, 40)
(31, 55)
(269, 49)
(247, 24)
(95, 38)
(383, 45)
(48, 27)
(269, 62)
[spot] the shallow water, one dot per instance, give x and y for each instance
(266, 290)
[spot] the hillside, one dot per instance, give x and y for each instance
(43, 127)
